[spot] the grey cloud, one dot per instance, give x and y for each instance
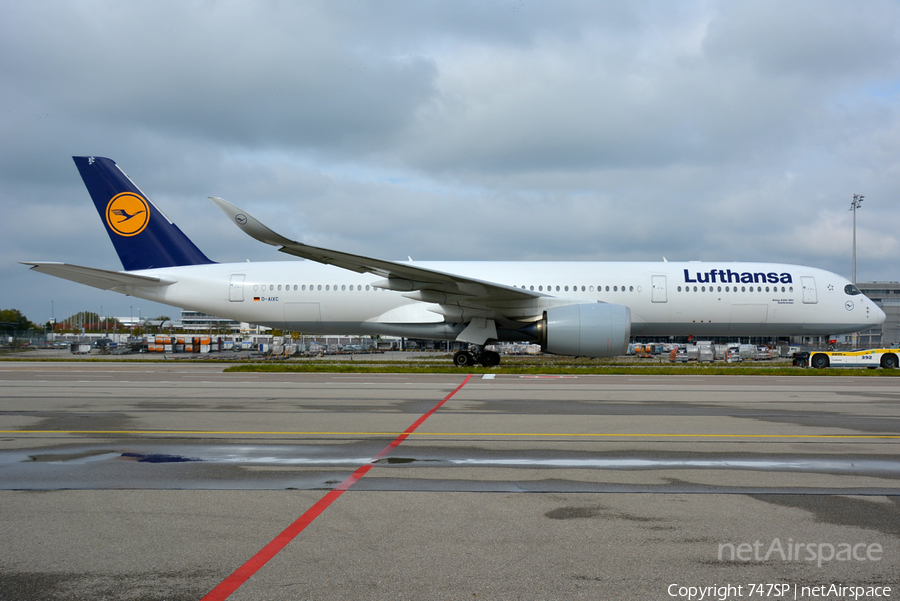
(464, 130)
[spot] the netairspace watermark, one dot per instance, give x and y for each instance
(725, 592)
(818, 553)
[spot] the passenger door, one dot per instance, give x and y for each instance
(809, 289)
(236, 288)
(658, 288)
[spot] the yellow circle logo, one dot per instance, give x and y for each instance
(127, 214)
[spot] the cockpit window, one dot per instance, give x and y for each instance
(851, 290)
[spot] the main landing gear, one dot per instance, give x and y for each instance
(476, 355)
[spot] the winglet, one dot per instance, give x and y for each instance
(250, 225)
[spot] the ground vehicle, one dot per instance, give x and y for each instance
(887, 358)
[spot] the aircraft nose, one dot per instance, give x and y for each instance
(878, 313)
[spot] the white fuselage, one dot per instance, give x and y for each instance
(665, 299)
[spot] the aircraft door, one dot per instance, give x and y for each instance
(809, 290)
(236, 288)
(658, 287)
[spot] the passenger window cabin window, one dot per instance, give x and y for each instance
(631, 289)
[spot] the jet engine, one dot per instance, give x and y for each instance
(589, 330)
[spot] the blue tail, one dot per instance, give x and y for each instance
(142, 235)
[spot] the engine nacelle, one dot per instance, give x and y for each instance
(589, 330)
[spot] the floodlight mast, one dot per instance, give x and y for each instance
(855, 204)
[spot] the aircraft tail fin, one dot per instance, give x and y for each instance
(143, 236)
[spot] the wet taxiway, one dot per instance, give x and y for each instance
(158, 480)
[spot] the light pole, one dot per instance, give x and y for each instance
(855, 204)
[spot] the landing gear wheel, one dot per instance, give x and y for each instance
(463, 359)
(889, 361)
(820, 361)
(490, 358)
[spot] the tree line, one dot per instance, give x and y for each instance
(14, 320)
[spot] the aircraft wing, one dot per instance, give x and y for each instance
(422, 284)
(98, 278)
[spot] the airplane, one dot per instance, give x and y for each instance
(589, 309)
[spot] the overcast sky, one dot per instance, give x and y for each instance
(733, 131)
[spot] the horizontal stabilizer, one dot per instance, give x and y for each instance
(98, 278)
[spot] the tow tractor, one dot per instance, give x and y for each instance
(871, 358)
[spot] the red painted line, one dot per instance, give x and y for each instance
(228, 586)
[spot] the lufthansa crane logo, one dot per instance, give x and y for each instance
(127, 214)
